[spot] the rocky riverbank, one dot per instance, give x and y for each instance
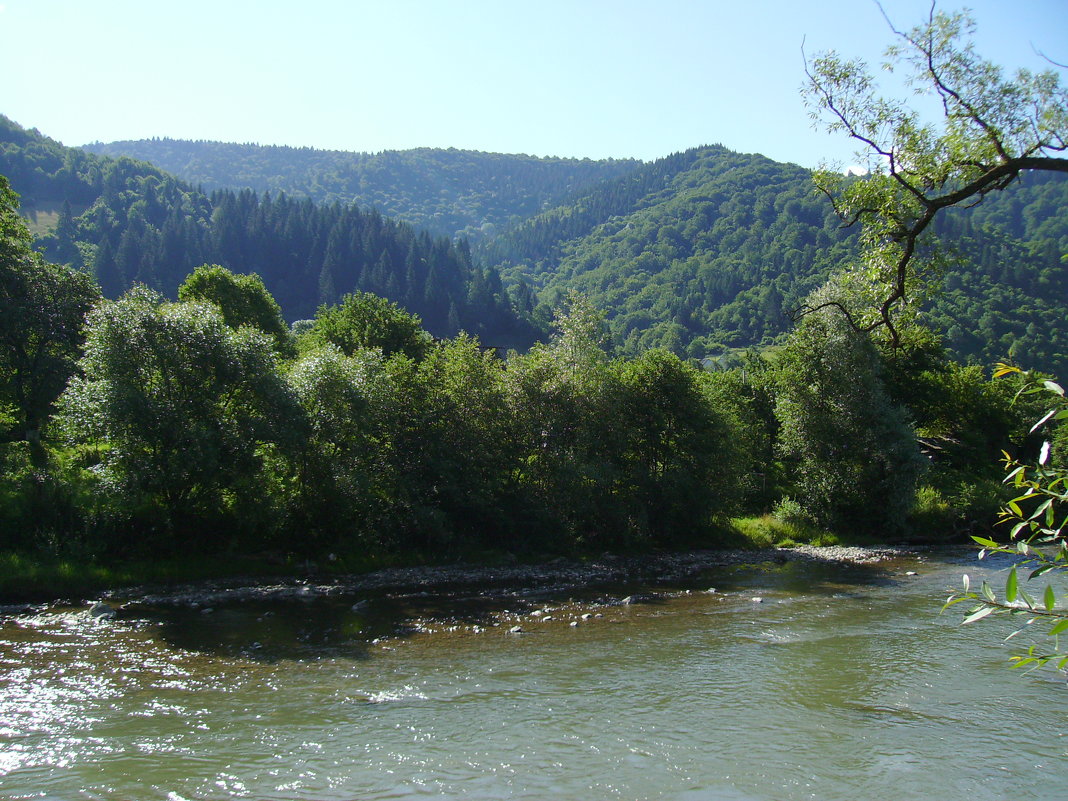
(557, 576)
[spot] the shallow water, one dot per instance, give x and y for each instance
(841, 683)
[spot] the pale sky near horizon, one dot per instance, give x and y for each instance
(580, 78)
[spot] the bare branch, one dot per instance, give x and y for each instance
(804, 310)
(1042, 55)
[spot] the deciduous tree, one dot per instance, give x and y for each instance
(993, 128)
(42, 314)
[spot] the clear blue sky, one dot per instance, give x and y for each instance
(593, 78)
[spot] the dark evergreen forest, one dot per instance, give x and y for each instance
(129, 223)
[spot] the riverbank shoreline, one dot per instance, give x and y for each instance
(558, 575)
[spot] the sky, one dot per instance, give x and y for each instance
(576, 78)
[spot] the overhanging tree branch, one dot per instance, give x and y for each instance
(993, 129)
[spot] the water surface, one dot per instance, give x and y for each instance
(840, 683)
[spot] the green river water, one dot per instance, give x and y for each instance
(840, 683)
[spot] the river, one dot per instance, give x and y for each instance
(841, 682)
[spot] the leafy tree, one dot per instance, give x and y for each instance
(363, 320)
(184, 407)
(242, 299)
(558, 393)
(681, 452)
(855, 457)
(42, 313)
(333, 485)
(994, 129)
(469, 465)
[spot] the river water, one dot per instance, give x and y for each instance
(840, 683)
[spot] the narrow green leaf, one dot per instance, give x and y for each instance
(1010, 586)
(988, 593)
(1041, 508)
(974, 616)
(1062, 626)
(1038, 571)
(1049, 598)
(1015, 470)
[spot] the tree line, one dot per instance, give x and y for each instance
(703, 253)
(207, 424)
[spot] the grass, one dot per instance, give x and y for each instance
(767, 531)
(44, 217)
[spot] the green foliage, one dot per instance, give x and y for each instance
(363, 320)
(854, 458)
(993, 128)
(448, 192)
(42, 308)
(242, 299)
(1037, 518)
(690, 253)
(332, 485)
(623, 452)
(772, 531)
(137, 224)
(683, 454)
(708, 250)
(697, 253)
(185, 407)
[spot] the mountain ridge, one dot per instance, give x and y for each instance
(708, 251)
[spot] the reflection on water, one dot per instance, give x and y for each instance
(840, 683)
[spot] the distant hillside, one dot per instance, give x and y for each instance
(709, 250)
(128, 221)
(447, 192)
(702, 252)
(695, 252)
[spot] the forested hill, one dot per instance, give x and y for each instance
(709, 249)
(129, 222)
(701, 252)
(447, 192)
(696, 251)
